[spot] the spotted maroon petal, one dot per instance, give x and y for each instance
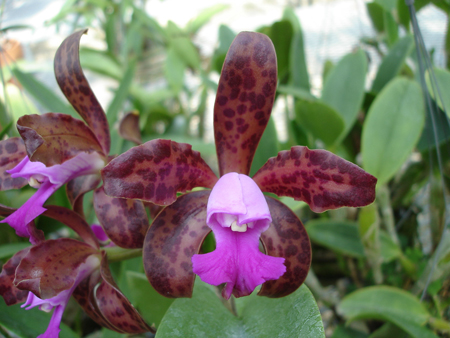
(244, 100)
(54, 138)
(124, 220)
(75, 87)
(73, 221)
(115, 307)
(286, 237)
(156, 171)
(36, 235)
(51, 266)
(175, 235)
(77, 187)
(318, 177)
(8, 290)
(12, 151)
(129, 128)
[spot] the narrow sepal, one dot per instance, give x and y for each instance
(51, 266)
(12, 151)
(124, 220)
(8, 290)
(244, 100)
(53, 138)
(73, 221)
(77, 187)
(286, 237)
(75, 87)
(115, 307)
(129, 128)
(175, 235)
(156, 171)
(318, 177)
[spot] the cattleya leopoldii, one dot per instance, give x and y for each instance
(235, 209)
(56, 149)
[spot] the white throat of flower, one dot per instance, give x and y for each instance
(231, 221)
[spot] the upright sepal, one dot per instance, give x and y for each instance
(75, 87)
(156, 171)
(286, 237)
(124, 220)
(244, 100)
(54, 138)
(174, 237)
(8, 290)
(12, 151)
(318, 177)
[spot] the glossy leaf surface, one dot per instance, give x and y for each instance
(75, 87)
(244, 100)
(156, 171)
(54, 138)
(125, 221)
(12, 151)
(41, 269)
(8, 290)
(318, 177)
(173, 238)
(286, 237)
(129, 128)
(115, 307)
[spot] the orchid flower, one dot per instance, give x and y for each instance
(236, 210)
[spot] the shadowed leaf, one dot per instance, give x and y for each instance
(115, 307)
(129, 128)
(244, 100)
(12, 151)
(286, 237)
(125, 221)
(41, 270)
(75, 87)
(8, 290)
(54, 138)
(173, 238)
(156, 171)
(73, 221)
(318, 177)
(77, 187)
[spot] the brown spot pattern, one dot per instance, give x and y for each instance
(156, 171)
(77, 187)
(175, 235)
(244, 93)
(318, 177)
(115, 307)
(8, 290)
(53, 138)
(125, 221)
(12, 151)
(286, 237)
(75, 87)
(129, 128)
(51, 266)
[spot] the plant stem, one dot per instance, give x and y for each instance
(386, 211)
(117, 254)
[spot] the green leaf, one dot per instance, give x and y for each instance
(8, 250)
(376, 15)
(151, 305)
(226, 37)
(297, 62)
(389, 330)
(388, 249)
(340, 236)
(28, 323)
(311, 116)
(392, 128)
(391, 28)
(347, 332)
(296, 92)
(186, 51)
(100, 62)
(268, 147)
(292, 316)
(388, 304)
(343, 89)
(393, 62)
(194, 25)
(387, 5)
(281, 35)
(174, 69)
(442, 77)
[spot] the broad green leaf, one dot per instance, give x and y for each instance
(439, 94)
(186, 51)
(343, 89)
(297, 62)
(289, 15)
(311, 116)
(388, 249)
(292, 316)
(389, 330)
(18, 103)
(174, 69)
(7, 250)
(387, 5)
(267, 147)
(28, 323)
(281, 35)
(101, 63)
(388, 304)
(347, 332)
(194, 25)
(226, 37)
(151, 305)
(391, 28)
(376, 15)
(296, 92)
(340, 236)
(392, 62)
(392, 128)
